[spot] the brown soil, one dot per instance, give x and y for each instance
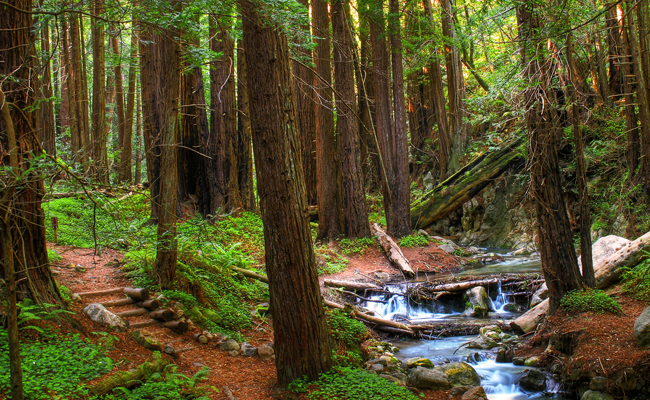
(248, 378)
(589, 344)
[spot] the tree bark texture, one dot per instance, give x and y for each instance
(328, 169)
(355, 212)
(245, 152)
(99, 123)
(80, 93)
(462, 186)
(559, 262)
(458, 127)
(45, 125)
(399, 142)
(161, 92)
(126, 174)
(303, 84)
(300, 332)
(119, 101)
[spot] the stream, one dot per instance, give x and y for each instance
(498, 379)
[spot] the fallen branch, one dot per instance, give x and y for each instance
(393, 251)
(360, 297)
(350, 285)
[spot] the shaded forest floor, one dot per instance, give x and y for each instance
(600, 344)
(80, 270)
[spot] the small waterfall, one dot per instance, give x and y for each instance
(395, 305)
(500, 300)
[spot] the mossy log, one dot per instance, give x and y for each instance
(129, 378)
(462, 186)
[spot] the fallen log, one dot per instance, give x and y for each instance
(132, 313)
(392, 251)
(528, 321)
(365, 317)
(465, 285)
(129, 378)
(177, 326)
(350, 285)
(151, 304)
(101, 292)
(137, 294)
(462, 186)
(143, 324)
(162, 315)
(610, 269)
(251, 274)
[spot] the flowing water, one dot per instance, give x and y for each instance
(498, 379)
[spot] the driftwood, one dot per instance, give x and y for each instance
(129, 378)
(350, 285)
(393, 252)
(361, 297)
(251, 274)
(462, 186)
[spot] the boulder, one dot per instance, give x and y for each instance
(528, 322)
(461, 374)
(597, 383)
(419, 362)
(447, 248)
(642, 328)
(478, 302)
(475, 393)
(533, 380)
(531, 361)
(98, 313)
(229, 345)
(146, 339)
(426, 378)
(248, 350)
(483, 342)
(595, 395)
(265, 352)
(605, 247)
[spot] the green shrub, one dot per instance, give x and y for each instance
(329, 262)
(168, 385)
(55, 369)
(636, 282)
(594, 300)
(351, 384)
(355, 246)
(414, 240)
(53, 255)
(347, 330)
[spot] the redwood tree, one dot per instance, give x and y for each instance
(160, 92)
(300, 332)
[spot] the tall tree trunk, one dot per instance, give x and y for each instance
(437, 101)
(70, 89)
(554, 231)
(643, 84)
(588, 275)
(630, 78)
(161, 91)
(119, 102)
(355, 213)
(615, 54)
(80, 94)
(399, 142)
(300, 332)
(245, 135)
(458, 127)
(139, 139)
(45, 125)
(303, 83)
(366, 95)
(328, 170)
(221, 141)
(384, 127)
(127, 147)
(194, 127)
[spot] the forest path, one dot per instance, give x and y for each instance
(82, 271)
